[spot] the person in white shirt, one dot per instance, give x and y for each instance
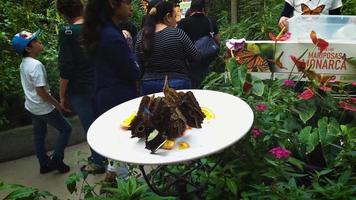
(43, 108)
(308, 7)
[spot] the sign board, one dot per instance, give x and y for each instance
(261, 56)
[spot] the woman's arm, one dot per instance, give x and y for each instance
(65, 65)
(189, 50)
(63, 85)
(285, 15)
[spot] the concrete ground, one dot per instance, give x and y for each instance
(25, 171)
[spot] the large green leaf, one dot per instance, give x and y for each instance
(306, 110)
(328, 133)
(349, 131)
(291, 124)
(5, 186)
(232, 186)
(231, 67)
(296, 162)
(242, 73)
(324, 172)
(71, 181)
(258, 87)
(328, 130)
(21, 193)
(308, 138)
(344, 178)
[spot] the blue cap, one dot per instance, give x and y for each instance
(21, 40)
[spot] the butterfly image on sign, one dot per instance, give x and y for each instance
(307, 11)
(254, 61)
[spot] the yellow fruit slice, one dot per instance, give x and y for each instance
(183, 145)
(169, 144)
(126, 123)
(209, 115)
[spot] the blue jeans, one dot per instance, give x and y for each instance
(39, 123)
(83, 106)
(153, 86)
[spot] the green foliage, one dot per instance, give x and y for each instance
(133, 188)
(19, 192)
(349, 7)
(137, 14)
(255, 18)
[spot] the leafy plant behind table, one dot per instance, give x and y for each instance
(16, 16)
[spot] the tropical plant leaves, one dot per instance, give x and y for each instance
(22, 193)
(258, 87)
(306, 110)
(308, 138)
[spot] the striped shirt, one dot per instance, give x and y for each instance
(171, 48)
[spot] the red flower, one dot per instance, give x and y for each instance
(279, 153)
(348, 104)
(325, 88)
(261, 107)
(307, 94)
(300, 64)
(247, 86)
(320, 43)
(288, 83)
(353, 83)
(283, 37)
(352, 100)
(256, 132)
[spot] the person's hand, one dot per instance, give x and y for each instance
(283, 23)
(64, 105)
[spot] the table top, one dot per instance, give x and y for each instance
(233, 119)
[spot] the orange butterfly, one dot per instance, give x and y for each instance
(254, 62)
(307, 11)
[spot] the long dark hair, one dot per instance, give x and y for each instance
(70, 8)
(97, 13)
(161, 10)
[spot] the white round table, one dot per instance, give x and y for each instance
(233, 119)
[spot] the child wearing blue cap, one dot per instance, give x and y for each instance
(43, 108)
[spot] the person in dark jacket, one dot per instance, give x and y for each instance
(115, 67)
(198, 25)
(76, 74)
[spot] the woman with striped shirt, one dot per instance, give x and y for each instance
(163, 50)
